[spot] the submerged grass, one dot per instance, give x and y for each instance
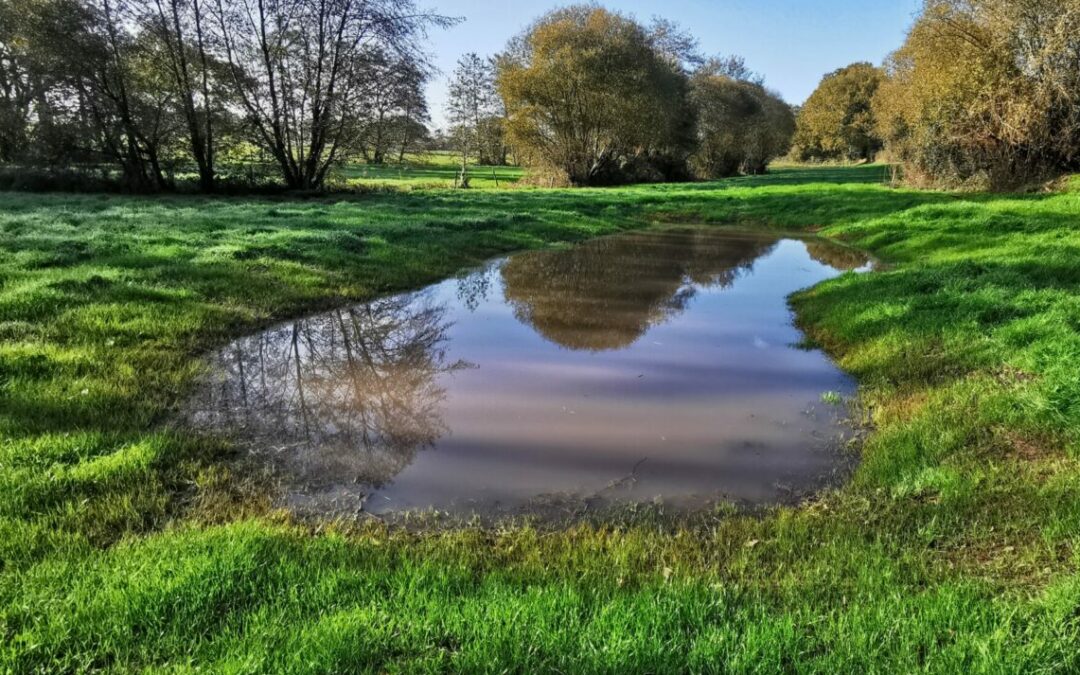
(126, 546)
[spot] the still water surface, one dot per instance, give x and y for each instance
(651, 365)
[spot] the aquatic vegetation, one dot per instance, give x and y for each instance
(832, 398)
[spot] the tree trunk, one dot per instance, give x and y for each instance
(463, 177)
(207, 178)
(404, 141)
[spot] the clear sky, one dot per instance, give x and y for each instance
(791, 42)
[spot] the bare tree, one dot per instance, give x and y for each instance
(181, 28)
(298, 68)
(393, 106)
(472, 101)
(115, 78)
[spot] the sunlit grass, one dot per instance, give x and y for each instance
(125, 545)
(428, 170)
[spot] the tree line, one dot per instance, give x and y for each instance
(154, 92)
(156, 87)
(588, 96)
(983, 93)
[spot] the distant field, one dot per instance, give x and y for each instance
(430, 170)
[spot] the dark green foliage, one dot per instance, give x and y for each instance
(741, 126)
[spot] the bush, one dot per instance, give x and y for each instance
(34, 179)
(741, 126)
(985, 93)
(628, 117)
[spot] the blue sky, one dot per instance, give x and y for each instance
(792, 42)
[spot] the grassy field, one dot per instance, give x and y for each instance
(429, 171)
(125, 546)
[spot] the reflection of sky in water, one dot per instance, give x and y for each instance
(550, 373)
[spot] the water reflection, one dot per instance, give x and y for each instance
(351, 395)
(547, 373)
(606, 293)
(835, 256)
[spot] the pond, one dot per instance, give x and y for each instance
(656, 365)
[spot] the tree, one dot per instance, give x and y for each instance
(115, 76)
(837, 121)
(770, 134)
(733, 66)
(491, 140)
(491, 132)
(985, 92)
(411, 132)
(591, 95)
(300, 68)
(17, 87)
(394, 105)
(410, 128)
(471, 102)
(679, 46)
(43, 116)
(152, 85)
(741, 126)
(181, 28)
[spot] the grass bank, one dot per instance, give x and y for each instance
(125, 547)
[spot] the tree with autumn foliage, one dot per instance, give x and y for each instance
(985, 93)
(837, 122)
(741, 126)
(591, 95)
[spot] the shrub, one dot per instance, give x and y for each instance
(741, 126)
(590, 95)
(985, 93)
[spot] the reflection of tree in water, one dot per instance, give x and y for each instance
(837, 257)
(473, 288)
(605, 294)
(348, 396)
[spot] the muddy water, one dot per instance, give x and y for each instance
(655, 365)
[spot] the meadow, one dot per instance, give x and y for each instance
(128, 545)
(428, 170)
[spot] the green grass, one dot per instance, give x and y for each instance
(127, 546)
(428, 171)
